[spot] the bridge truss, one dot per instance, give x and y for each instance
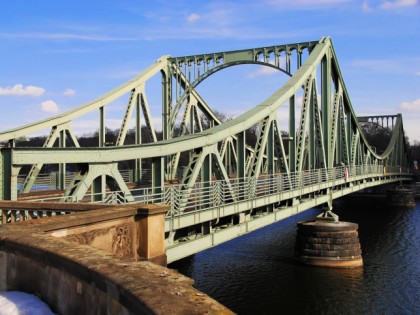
(198, 149)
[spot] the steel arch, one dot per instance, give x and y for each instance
(328, 130)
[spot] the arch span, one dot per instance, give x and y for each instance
(321, 134)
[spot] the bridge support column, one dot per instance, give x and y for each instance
(5, 173)
(99, 188)
(8, 175)
(151, 233)
(401, 197)
(244, 217)
(328, 244)
(158, 174)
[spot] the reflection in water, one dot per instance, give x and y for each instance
(256, 273)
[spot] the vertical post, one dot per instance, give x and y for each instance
(206, 169)
(400, 149)
(228, 157)
(166, 102)
(299, 58)
(340, 144)
(270, 149)
(99, 183)
(157, 177)
(101, 132)
(240, 151)
(349, 136)
(240, 167)
(5, 173)
(8, 175)
(312, 128)
(206, 172)
(192, 121)
(292, 134)
(150, 222)
(98, 188)
(138, 166)
(326, 105)
(166, 112)
(62, 166)
(14, 182)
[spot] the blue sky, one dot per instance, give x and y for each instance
(56, 55)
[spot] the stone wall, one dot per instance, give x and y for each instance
(88, 263)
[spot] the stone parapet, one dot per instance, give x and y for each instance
(76, 275)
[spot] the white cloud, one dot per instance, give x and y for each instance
(262, 71)
(307, 3)
(389, 5)
(411, 106)
(49, 106)
(366, 7)
(193, 17)
(411, 117)
(229, 20)
(406, 66)
(68, 36)
(381, 65)
(69, 92)
(85, 126)
(19, 89)
(122, 74)
(217, 21)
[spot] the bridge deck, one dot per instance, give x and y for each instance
(212, 212)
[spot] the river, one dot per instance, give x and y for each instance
(256, 273)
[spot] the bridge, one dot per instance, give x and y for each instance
(221, 179)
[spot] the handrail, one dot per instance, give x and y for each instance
(205, 195)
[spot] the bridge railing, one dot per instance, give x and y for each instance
(14, 211)
(51, 180)
(205, 195)
(11, 216)
(47, 181)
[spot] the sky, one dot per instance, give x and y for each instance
(56, 55)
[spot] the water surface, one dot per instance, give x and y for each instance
(256, 273)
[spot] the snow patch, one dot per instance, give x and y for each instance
(21, 303)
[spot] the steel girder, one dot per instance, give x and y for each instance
(57, 132)
(328, 131)
(202, 161)
(97, 175)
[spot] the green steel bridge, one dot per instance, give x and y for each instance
(218, 182)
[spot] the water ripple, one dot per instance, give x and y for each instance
(256, 273)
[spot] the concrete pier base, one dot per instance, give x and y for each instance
(401, 197)
(328, 244)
